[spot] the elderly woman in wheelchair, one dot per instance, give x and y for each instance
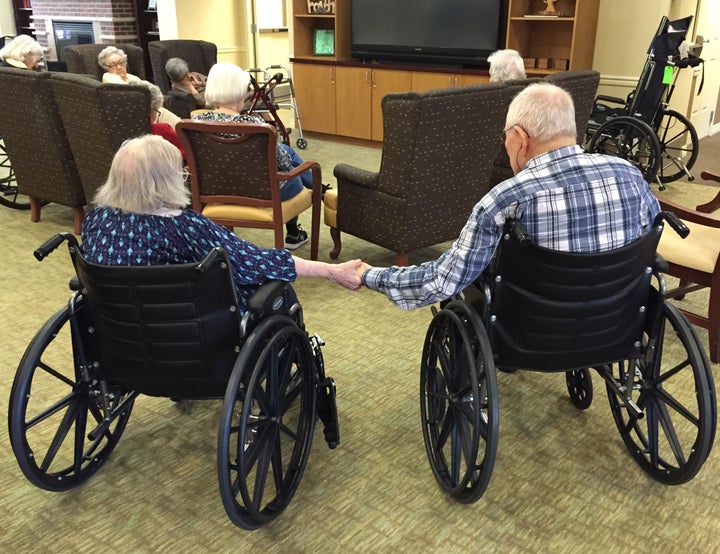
(169, 304)
(553, 272)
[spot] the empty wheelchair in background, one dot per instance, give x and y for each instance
(550, 311)
(173, 331)
(661, 142)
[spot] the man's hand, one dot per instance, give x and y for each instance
(346, 274)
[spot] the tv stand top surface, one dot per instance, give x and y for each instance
(407, 66)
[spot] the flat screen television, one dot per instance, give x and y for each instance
(459, 33)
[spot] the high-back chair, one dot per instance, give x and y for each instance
(98, 118)
(438, 149)
(695, 261)
(200, 56)
(235, 180)
(82, 58)
(582, 86)
(37, 145)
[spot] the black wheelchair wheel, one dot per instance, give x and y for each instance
(631, 139)
(664, 403)
(267, 423)
(55, 404)
(580, 387)
(680, 145)
(459, 402)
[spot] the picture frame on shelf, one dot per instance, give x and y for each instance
(323, 42)
(152, 5)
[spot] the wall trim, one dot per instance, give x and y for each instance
(619, 81)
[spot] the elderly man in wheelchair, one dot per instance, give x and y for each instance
(152, 314)
(554, 272)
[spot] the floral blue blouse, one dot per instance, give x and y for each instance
(113, 237)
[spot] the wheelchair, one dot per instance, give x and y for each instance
(661, 142)
(550, 311)
(173, 331)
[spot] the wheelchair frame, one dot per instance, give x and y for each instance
(587, 312)
(661, 142)
(69, 407)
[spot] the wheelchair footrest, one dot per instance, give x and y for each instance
(327, 411)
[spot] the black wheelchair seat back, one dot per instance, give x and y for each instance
(556, 311)
(168, 330)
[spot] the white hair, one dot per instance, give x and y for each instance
(20, 47)
(506, 65)
(544, 111)
(156, 96)
(176, 69)
(109, 51)
(226, 83)
(145, 176)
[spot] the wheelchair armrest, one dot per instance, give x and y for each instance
(268, 299)
(613, 99)
(661, 264)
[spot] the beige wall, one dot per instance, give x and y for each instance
(224, 22)
(7, 18)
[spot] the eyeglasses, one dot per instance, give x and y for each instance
(185, 174)
(115, 64)
(505, 131)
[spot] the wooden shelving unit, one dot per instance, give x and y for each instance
(23, 18)
(147, 30)
(568, 36)
(305, 24)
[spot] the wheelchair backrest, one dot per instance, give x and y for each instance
(170, 330)
(553, 311)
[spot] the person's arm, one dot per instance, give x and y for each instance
(345, 274)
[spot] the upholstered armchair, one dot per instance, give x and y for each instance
(82, 58)
(36, 143)
(695, 261)
(437, 153)
(200, 56)
(98, 118)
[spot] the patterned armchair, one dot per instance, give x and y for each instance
(438, 150)
(98, 118)
(36, 143)
(82, 58)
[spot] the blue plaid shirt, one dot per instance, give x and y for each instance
(568, 200)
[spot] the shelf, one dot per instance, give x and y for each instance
(543, 19)
(315, 16)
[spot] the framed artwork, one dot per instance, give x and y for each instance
(324, 42)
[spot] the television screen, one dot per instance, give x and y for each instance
(450, 32)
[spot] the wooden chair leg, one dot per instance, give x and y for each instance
(402, 259)
(714, 325)
(35, 206)
(78, 215)
(337, 243)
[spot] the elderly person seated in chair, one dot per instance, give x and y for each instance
(114, 62)
(140, 218)
(22, 52)
(506, 65)
(567, 199)
(162, 129)
(227, 91)
(184, 80)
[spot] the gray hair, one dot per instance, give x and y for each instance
(156, 96)
(544, 111)
(108, 51)
(226, 83)
(176, 69)
(145, 176)
(20, 47)
(506, 65)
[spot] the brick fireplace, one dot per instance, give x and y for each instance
(112, 20)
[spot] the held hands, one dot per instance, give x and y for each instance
(348, 274)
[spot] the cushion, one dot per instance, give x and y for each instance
(699, 250)
(330, 202)
(295, 206)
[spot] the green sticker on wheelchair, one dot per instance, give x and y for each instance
(667, 75)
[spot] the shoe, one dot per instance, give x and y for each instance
(296, 241)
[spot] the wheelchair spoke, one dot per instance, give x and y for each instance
(70, 416)
(55, 373)
(52, 410)
(670, 432)
(80, 427)
(679, 408)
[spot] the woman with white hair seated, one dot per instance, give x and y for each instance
(186, 81)
(160, 128)
(114, 62)
(506, 65)
(227, 90)
(22, 52)
(140, 218)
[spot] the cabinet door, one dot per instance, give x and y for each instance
(385, 81)
(353, 101)
(315, 94)
(425, 80)
(465, 80)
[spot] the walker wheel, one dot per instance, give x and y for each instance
(301, 143)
